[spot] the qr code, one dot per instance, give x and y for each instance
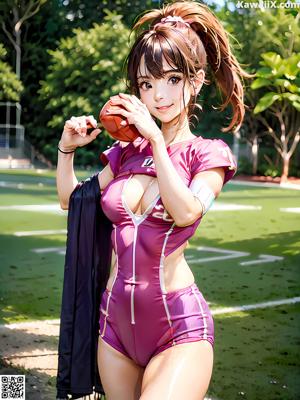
(12, 387)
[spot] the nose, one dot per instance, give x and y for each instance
(158, 92)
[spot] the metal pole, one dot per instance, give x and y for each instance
(7, 123)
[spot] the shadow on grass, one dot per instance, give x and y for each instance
(226, 283)
(257, 354)
(31, 283)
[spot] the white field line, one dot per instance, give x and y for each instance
(262, 258)
(52, 208)
(42, 232)
(291, 209)
(246, 307)
(219, 206)
(14, 185)
(226, 254)
(217, 311)
(265, 184)
(58, 250)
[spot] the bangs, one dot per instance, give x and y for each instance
(155, 47)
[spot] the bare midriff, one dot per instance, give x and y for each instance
(177, 273)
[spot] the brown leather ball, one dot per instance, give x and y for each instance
(111, 123)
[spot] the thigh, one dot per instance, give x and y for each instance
(180, 372)
(120, 376)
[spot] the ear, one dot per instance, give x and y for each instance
(197, 82)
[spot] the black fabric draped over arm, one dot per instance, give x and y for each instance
(87, 267)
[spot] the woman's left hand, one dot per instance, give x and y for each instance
(136, 113)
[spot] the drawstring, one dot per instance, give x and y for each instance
(96, 396)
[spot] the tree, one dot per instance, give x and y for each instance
(282, 78)
(258, 31)
(84, 71)
(15, 13)
(10, 85)
(83, 14)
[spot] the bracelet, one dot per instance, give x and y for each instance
(66, 152)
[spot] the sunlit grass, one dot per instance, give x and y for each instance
(256, 352)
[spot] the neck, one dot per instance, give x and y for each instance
(176, 130)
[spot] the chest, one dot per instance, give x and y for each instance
(136, 187)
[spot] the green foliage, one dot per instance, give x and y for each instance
(80, 13)
(283, 75)
(260, 30)
(84, 71)
(10, 86)
(244, 166)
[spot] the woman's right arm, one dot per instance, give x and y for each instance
(74, 135)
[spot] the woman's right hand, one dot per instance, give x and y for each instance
(75, 132)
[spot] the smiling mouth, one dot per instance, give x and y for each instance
(163, 107)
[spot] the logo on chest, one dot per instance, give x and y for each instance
(148, 162)
(161, 213)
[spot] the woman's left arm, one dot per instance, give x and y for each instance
(177, 198)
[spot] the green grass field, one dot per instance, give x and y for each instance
(256, 351)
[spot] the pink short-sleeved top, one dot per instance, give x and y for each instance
(188, 157)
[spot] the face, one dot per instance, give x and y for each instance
(164, 97)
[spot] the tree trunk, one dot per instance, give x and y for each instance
(285, 170)
(254, 149)
(236, 145)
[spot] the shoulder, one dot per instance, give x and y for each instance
(212, 153)
(201, 144)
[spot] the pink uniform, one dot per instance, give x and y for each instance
(137, 316)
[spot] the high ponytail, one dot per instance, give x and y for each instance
(196, 42)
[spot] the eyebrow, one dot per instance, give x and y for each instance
(164, 73)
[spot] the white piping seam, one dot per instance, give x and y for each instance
(202, 314)
(110, 291)
(137, 220)
(161, 277)
(161, 261)
(133, 274)
(106, 314)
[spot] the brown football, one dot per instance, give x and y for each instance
(112, 123)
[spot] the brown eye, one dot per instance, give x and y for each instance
(146, 83)
(175, 79)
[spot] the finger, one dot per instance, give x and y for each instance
(117, 111)
(82, 126)
(76, 121)
(73, 125)
(125, 103)
(95, 132)
(125, 95)
(128, 97)
(90, 119)
(137, 101)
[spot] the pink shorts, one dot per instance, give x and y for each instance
(160, 321)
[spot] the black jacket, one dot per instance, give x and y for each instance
(87, 267)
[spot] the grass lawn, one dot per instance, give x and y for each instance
(256, 351)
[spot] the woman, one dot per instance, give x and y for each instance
(156, 332)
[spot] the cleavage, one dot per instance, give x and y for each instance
(139, 192)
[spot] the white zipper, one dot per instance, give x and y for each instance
(132, 305)
(133, 273)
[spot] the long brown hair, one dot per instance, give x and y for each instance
(190, 48)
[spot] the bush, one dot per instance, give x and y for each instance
(244, 166)
(85, 70)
